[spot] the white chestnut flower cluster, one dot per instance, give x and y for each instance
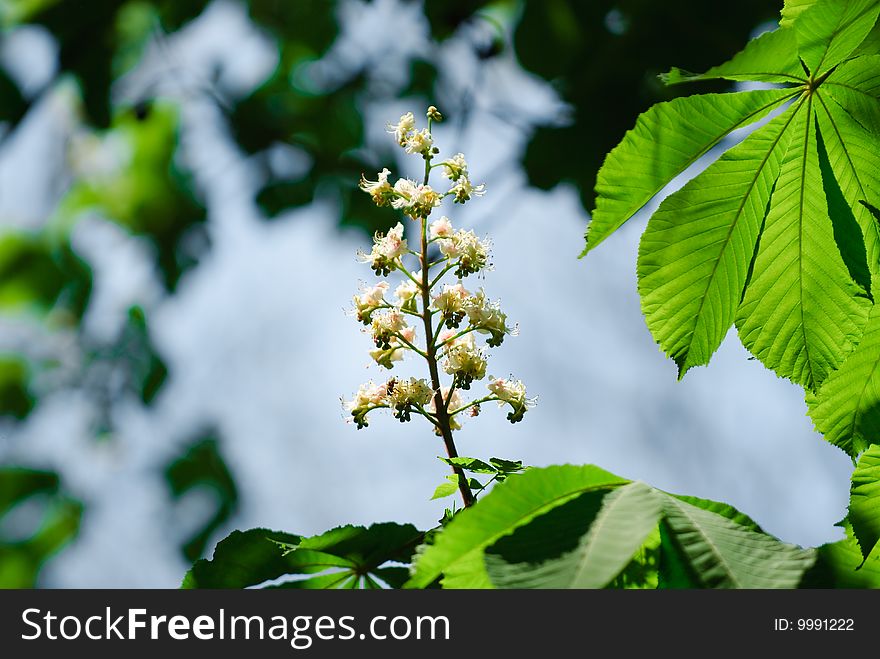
(456, 170)
(456, 326)
(401, 396)
(512, 392)
(386, 252)
(469, 253)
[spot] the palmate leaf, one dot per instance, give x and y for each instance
(457, 553)
(772, 236)
(718, 553)
(864, 500)
(581, 527)
(338, 558)
(801, 313)
(846, 409)
(627, 517)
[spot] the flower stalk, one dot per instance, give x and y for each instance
(451, 316)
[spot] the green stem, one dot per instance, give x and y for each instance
(442, 272)
(409, 345)
(479, 401)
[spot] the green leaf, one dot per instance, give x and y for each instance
(642, 572)
(829, 31)
(801, 313)
(846, 410)
(770, 57)
(368, 547)
(841, 565)
(666, 141)
(348, 552)
(674, 571)
(16, 399)
(457, 551)
(445, 489)
(394, 576)
(27, 542)
(39, 273)
(723, 554)
(470, 464)
(792, 9)
(855, 86)
(507, 466)
(723, 509)
(871, 44)
(627, 517)
(334, 580)
(849, 233)
(244, 558)
(694, 256)
(202, 467)
(864, 500)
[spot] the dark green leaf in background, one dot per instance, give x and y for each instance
(28, 541)
(202, 466)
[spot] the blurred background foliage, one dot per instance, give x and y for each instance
(601, 56)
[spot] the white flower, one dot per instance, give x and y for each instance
(369, 299)
(380, 190)
(368, 397)
(406, 291)
(512, 393)
(386, 248)
(451, 299)
(410, 392)
(463, 189)
(455, 167)
(405, 189)
(419, 142)
(473, 253)
(393, 244)
(408, 333)
(466, 362)
(486, 317)
(414, 199)
(390, 330)
(441, 228)
(374, 296)
(368, 394)
(508, 390)
(386, 324)
(403, 128)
